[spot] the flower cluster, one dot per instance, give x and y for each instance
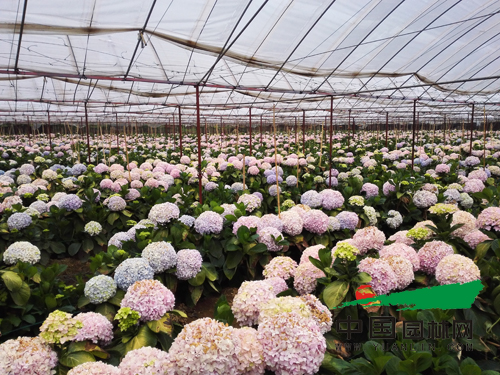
(280, 266)
(188, 264)
(305, 277)
(250, 201)
(96, 328)
(210, 222)
(489, 219)
(456, 268)
(163, 213)
(369, 238)
(150, 298)
(346, 251)
(270, 237)
(21, 251)
(27, 356)
(93, 228)
(160, 255)
(59, 327)
(132, 270)
(431, 254)
(383, 277)
(394, 219)
(247, 302)
(443, 209)
(19, 220)
(100, 288)
(94, 368)
(144, 361)
(127, 318)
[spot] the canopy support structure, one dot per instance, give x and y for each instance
(250, 128)
(471, 129)
(386, 128)
(50, 136)
(304, 132)
(198, 133)
(180, 122)
(25, 7)
(413, 136)
(87, 127)
(331, 135)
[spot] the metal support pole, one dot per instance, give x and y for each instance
(87, 126)
(413, 138)
(386, 128)
(198, 133)
(250, 127)
(180, 127)
(261, 130)
(471, 129)
(304, 132)
(348, 130)
(50, 136)
(331, 135)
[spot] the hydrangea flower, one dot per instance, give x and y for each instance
(280, 266)
(489, 219)
(247, 302)
(94, 368)
(270, 237)
(187, 220)
(163, 213)
(144, 361)
(305, 278)
(70, 202)
(348, 220)
(132, 270)
(311, 251)
(279, 285)
(209, 222)
(474, 238)
(468, 220)
(247, 221)
(424, 199)
(100, 288)
(419, 233)
(19, 220)
(331, 199)
(305, 345)
(315, 221)
(403, 250)
(270, 220)
(431, 254)
(369, 238)
(127, 318)
(292, 223)
(188, 264)
(27, 356)
(93, 228)
(96, 328)
(443, 209)
(403, 269)
(383, 277)
(248, 351)
(279, 305)
(357, 200)
(59, 327)
(204, 347)
(250, 201)
(150, 298)
(311, 198)
(345, 250)
(116, 204)
(319, 312)
(21, 251)
(120, 237)
(456, 268)
(160, 255)
(394, 219)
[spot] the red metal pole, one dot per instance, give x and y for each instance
(180, 125)
(117, 133)
(198, 131)
(250, 127)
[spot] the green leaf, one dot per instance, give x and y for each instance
(196, 293)
(182, 314)
(113, 217)
(198, 279)
(87, 245)
(233, 259)
(144, 337)
(164, 324)
(12, 281)
(83, 301)
(496, 304)
(325, 255)
(481, 250)
(210, 271)
(74, 248)
(74, 359)
(106, 309)
(127, 213)
(50, 302)
(117, 298)
(57, 247)
(22, 296)
(362, 278)
(335, 293)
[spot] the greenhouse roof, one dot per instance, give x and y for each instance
(143, 60)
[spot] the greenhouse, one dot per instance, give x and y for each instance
(249, 187)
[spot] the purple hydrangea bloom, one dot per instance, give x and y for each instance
(209, 222)
(150, 298)
(132, 270)
(188, 264)
(19, 220)
(348, 220)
